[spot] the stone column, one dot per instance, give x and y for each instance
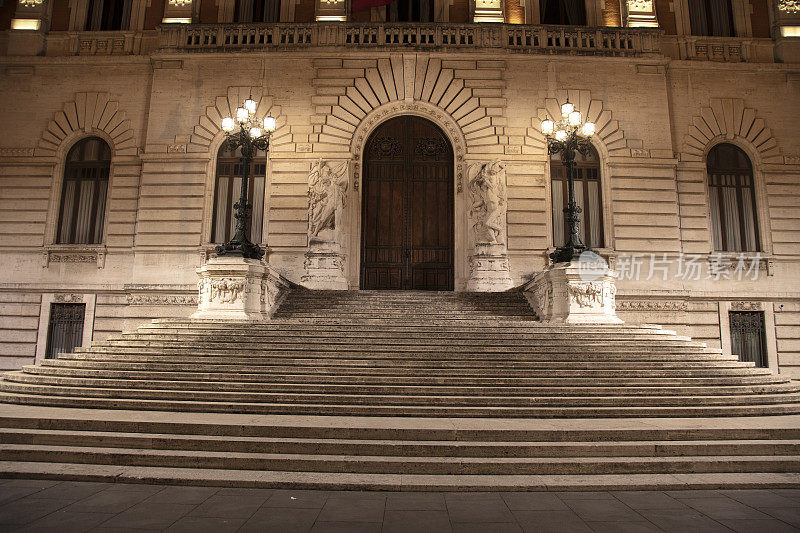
(579, 292)
(327, 189)
(237, 289)
(488, 206)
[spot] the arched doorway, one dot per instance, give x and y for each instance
(407, 207)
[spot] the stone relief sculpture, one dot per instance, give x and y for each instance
(487, 197)
(326, 200)
(327, 190)
(488, 201)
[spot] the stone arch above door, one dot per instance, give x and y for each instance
(348, 91)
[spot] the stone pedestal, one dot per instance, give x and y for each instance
(574, 293)
(489, 268)
(324, 266)
(238, 289)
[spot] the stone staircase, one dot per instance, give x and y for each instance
(406, 390)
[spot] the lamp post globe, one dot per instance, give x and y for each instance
(247, 133)
(567, 136)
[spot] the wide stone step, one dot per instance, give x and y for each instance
(398, 465)
(394, 482)
(479, 380)
(364, 403)
(545, 370)
(399, 448)
(442, 391)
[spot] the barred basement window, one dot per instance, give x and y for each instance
(227, 190)
(257, 11)
(587, 196)
(711, 17)
(83, 195)
(732, 200)
(563, 12)
(65, 331)
(747, 336)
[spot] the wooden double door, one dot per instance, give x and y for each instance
(407, 207)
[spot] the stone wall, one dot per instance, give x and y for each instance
(161, 115)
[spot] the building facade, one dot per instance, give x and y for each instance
(116, 184)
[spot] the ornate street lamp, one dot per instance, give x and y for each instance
(566, 136)
(248, 133)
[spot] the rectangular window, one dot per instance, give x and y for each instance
(587, 196)
(733, 218)
(748, 336)
(711, 17)
(65, 330)
(228, 189)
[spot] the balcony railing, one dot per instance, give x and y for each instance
(533, 39)
(725, 49)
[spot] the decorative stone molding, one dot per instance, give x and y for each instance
(652, 305)
(90, 113)
(68, 298)
(789, 6)
(422, 109)
(209, 125)
(729, 119)
(95, 256)
(747, 306)
(16, 152)
(571, 293)
(489, 269)
(608, 131)
(161, 299)
(238, 289)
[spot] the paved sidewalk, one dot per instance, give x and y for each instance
(65, 507)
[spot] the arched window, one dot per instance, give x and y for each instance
(83, 195)
(732, 199)
(566, 12)
(257, 11)
(108, 15)
(587, 196)
(711, 17)
(227, 189)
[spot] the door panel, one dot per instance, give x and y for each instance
(407, 217)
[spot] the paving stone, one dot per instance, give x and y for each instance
(66, 521)
(306, 499)
(183, 495)
(790, 515)
(642, 526)
(10, 493)
(484, 527)
(72, 490)
(350, 508)
(346, 527)
(416, 522)
(584, 495)
(648, 500)
(149, 516)
(551, 522)
(27, 510)
(478, 509)
(759, 526)
(534, 501)
(419, 501)
(788, 493)
(759, 498)
(241, 506)
(204, 524)
(724, 509)
(670, 521)
(281, 520)
(109, 501)
(603, 510)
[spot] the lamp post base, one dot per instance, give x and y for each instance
(236, 289)
(577, 292)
